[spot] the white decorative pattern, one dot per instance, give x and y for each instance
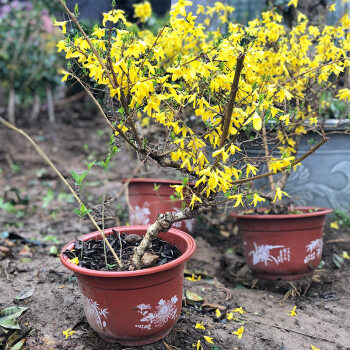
(94, 310)
(314, 250)
(165, 310)
(261, 253)
(140, 216)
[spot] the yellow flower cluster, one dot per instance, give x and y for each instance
(188, 70)
(143, 11)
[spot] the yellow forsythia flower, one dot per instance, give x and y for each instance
(346, 256)
(240, 310)
(75, 261)
(200, 326)
(292, 312)
(208, 339)
(68, 333)
(334, 225)
(143, 11)
(239, 332)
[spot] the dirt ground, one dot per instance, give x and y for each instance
(43, 212)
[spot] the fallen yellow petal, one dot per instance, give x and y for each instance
(208, 339)
(239, 332)
(68, 333)
(75, 261)
(345, 255)
(292, 312)
(193, 278)
(240, 310)
(198, 345)
(334, 225)
(200, 325)
(229, 316)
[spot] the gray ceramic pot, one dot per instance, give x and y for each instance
(323, 180)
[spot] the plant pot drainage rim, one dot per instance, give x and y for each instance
(318, 212)
(189, 251)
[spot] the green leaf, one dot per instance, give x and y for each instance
(10, 324)
(193, 296)
(79, 178)
(76, 10)
(49, 197)
(3, 331)
(12, 339)
(53, 251)
(90, 165)
(19, 345)
(11, 312)
(26, 293)
(75, 176)
(338, 260)
(77, 211)
(52, 238)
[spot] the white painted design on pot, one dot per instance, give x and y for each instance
(261, 253)
(95, 311)
(164, 311)
(314, 250)
(140, 216)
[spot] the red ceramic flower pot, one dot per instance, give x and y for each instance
(285, 247)
(145, 202)
(134, 307)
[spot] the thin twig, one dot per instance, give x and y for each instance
(114, 128)
(297, 161)
(93, 49)
(103, 229)
(47, 160)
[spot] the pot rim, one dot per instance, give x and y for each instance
(319, 212)
(191, 247)
(154, 180)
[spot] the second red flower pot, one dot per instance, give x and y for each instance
(287, 247)
(134, 307)
(150, 197)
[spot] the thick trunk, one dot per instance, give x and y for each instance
(162, 224)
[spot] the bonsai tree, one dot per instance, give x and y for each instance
(215, 95)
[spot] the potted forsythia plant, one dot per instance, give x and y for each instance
(247, 86)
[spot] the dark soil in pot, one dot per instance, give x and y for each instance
(95, 255)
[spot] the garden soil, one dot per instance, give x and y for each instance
(43, 212)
